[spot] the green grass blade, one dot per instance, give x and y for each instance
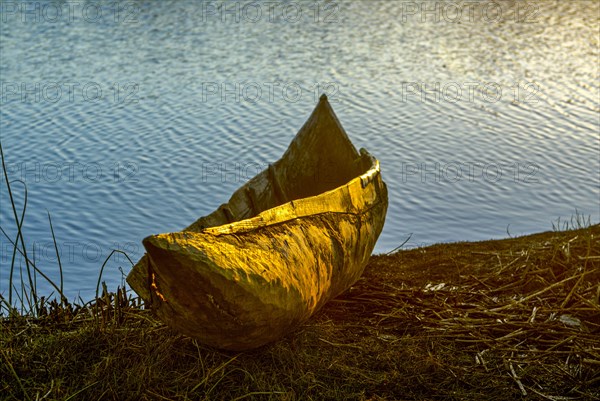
(14, 253)
(14, 209)
(102, 271)
(14, 373)
(60, 269)
(104, 264)
(48, 279)
(80, 391)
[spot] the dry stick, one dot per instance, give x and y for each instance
(156, 395)
(510, 264)
(532, 317)
(538, 293)
(341, 345)
(479, 357)
(480, 282)
(516, 378)
(550, 397)
(558, 344)
(535, 351)
(510, 335)
(504, 287)
(587, 302)
(570, 294)
(257, 393)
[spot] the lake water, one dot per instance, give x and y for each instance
(134, 118)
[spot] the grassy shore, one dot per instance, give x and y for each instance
(494, 320)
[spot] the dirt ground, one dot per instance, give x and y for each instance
(509, 319)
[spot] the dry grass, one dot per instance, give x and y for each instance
(494, 320)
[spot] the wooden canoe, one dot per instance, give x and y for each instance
(289, 240)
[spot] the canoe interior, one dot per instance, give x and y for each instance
(320, 158)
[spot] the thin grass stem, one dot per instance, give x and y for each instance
(14, 209)
(60, 269)
(48, 279)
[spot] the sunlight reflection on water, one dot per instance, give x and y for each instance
(127, 126)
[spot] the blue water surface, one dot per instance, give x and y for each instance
(132, 118)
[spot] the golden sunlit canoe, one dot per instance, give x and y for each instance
(289, 240)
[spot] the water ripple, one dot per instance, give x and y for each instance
(159, 148)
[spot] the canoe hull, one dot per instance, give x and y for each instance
(290, 239)
(239, 294)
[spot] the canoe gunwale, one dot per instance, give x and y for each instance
(327, 202)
